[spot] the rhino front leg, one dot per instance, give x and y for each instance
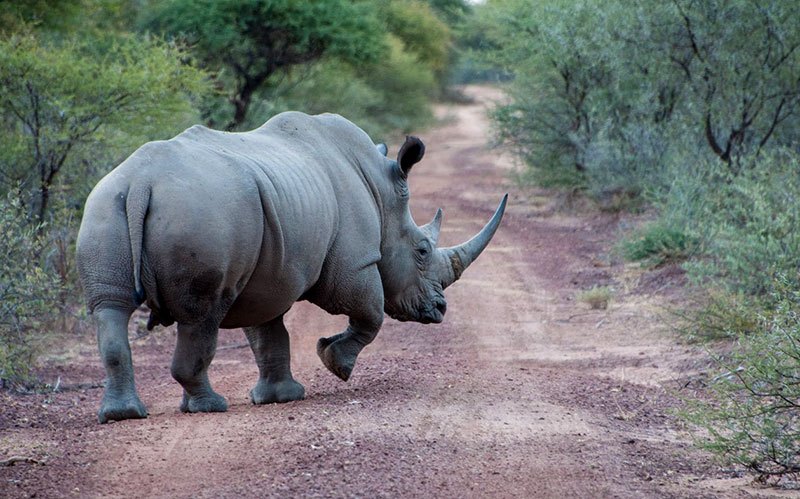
(120, 400)
(194, 351)
(362, 301)
(270, 345)
(339, 352)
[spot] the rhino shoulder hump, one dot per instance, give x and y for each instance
(289, 121)
(197, 131)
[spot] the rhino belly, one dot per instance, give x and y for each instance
(263, 299)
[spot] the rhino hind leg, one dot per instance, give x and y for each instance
(270, 345)
(194, 351)
(120, 400)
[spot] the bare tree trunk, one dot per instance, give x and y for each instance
(241, 100)
(44, 198)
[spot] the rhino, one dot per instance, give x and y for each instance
(227, 230)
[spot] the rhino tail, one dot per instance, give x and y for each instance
(136, 207)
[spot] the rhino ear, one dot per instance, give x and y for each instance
(382, 148)
(410, 153)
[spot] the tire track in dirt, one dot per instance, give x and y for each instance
(521, 392)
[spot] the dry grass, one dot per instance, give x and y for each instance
(597, 297)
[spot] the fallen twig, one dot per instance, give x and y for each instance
(238, 345)
(81, 386)
(11, 461)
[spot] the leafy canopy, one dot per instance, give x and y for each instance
(246, 41)
(63, 104)
(423, 34)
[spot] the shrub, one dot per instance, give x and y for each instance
(582, 102)
(71, 106)
(28, 292)
(603, 93)
(747, 224)
(390, 95)
(753, 416)
(657, 244)
(722, 314)
(597, 297)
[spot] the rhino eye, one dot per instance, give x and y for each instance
(423, 249)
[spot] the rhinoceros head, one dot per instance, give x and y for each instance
(413, 269)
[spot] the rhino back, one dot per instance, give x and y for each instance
(238, 225)
(241, 225)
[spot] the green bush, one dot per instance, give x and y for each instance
(422, 33)
(657, 244)
(28, 293)
(246, 43)
(747, 224)
(389, 96)
(596, 297)
(73, 108)
(580, 108)
(753, 416)
(604, 92)
(406, 87)
(721, 315)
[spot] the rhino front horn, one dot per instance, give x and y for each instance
(458, 258)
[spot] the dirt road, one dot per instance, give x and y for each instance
(521, 392)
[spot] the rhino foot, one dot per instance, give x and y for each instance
(281, 391)
(339, 354)
(119, 408)
(208, 402)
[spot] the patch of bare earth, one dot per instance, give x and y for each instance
(521, 392)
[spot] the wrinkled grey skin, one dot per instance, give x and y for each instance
(226, 230)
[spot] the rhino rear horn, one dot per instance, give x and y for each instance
(461, 256)
(432, 228)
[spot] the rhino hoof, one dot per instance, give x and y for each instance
(335, 358)
(210, 402)
(116, 410)
(282, 391)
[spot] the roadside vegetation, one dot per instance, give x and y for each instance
(83, 83)
(689, 109)
(597, 297)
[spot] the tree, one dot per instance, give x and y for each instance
(741, 61)
(451, 11)
(67, 105)
(420, 30)
(247, 41)
(566, 84)
(27, 292)
(53, 14)
(607, 88)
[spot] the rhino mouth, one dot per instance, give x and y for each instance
(434, 313)
(430, 313)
